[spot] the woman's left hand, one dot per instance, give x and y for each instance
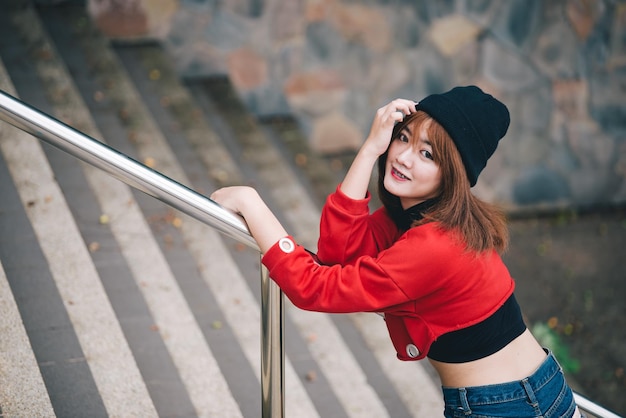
(235, 197)
(244, 200)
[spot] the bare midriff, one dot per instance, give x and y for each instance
(519, 359)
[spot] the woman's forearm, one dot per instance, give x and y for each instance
(356, 182)
(264, 226)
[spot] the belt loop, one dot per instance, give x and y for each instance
(464, 402)
(530, 393)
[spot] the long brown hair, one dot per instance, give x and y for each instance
(481, 225)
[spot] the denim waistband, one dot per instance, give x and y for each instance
(504, 392)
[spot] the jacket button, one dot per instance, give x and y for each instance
(412, 351)
(286, 245)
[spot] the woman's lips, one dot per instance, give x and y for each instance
(398, 175)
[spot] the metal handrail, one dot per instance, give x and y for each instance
(143, 178)
(153, 183)
(593, 408)
(123, 168)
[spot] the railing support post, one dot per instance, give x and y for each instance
(272, 348)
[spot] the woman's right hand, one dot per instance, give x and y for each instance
(385, 119)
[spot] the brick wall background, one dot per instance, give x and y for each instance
(559, 65)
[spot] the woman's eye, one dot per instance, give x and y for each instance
(427, 154)
(402, 137)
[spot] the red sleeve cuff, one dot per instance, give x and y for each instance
(281, 248)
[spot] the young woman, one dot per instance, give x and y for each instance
(428, 259)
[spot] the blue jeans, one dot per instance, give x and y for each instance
(543, 394)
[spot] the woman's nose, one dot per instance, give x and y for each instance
(405, 157)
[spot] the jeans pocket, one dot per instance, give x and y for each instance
(564, 404)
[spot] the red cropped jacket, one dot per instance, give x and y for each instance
(424, 280)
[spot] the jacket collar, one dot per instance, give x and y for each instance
(404, 218)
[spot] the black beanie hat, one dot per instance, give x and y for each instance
(475, 120)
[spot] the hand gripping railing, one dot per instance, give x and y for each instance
(205, 210)
(184, 199)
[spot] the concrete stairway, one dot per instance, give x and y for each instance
(112, 303)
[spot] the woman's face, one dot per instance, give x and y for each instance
(410, 172)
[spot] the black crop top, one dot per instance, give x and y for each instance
(482, 339)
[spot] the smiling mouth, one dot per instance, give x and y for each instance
(395, 173)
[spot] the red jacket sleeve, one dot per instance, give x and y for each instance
(359, 287)
(420, 263)
(348, 231)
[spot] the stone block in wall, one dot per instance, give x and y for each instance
(516, 21)
(322, 43)
(452, 33)
(426, 12)
(247, 69)
(617, 44)
(430, 72)
(593, 151)
(540, 186)
(315, 93)
(532, 114)
(187, 42)
(505, 69)
(607, 97)
(334, 133)
(363, 24)
(583, 16)
(320, 96)
(132, 19)
(555, 51)
(482, 11)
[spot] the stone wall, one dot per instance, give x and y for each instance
(559, 65)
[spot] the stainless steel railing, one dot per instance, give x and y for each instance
(592, 408)
(203, 209)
